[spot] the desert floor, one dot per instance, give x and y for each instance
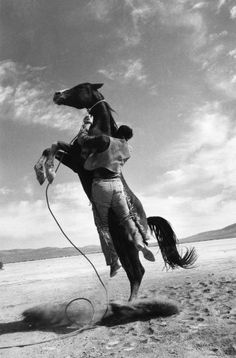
(205, 295)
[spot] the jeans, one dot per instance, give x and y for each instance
(106, 194)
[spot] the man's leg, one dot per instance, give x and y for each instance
(101, 201)
(121, 209)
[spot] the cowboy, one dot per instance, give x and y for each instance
(105, 156)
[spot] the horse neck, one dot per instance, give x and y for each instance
(101, 120)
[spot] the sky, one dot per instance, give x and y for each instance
(169, 71)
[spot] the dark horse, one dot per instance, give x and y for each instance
(86, 95)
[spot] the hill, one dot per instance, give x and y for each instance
(225, 233)
(19, 255)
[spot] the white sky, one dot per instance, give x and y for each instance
(169, 71)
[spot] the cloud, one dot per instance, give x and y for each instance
(200, 5)
(140, 13)
(25, 99)
(233, 12)
(208, 49)
(126, 71)
(136, 15)
(222, 79)
(204, 47)
(173, 14)
(232, 53)
(28, 223)
(5, 191)
(213, 51)
(200, 186)
(190, 215)
(220, 4)
(207, 150)
(101, 9)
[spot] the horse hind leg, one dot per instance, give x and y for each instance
(134, 269)
(134, 286)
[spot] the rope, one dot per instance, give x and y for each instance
(68, 335)
(79, 250)
(90, 109)
(90, 325)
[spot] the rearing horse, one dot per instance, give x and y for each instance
(86, 95)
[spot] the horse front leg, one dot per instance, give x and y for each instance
(39, 166)
(49, 163)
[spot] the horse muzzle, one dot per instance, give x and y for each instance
(59, 98)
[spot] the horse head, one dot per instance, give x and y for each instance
(86, 95)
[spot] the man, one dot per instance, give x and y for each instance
(105, 156)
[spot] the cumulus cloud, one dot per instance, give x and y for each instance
(26, 100)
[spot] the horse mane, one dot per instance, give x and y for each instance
(113, 125)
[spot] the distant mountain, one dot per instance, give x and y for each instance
(225, 233)
(19, 255)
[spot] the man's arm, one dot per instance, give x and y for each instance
(98, 143)
(83, 132)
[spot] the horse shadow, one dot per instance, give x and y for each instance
(119, 313)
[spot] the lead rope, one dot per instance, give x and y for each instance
(90, 109)
(81, 252)
(90, 325)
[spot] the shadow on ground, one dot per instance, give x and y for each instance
(53, 317)
(22, 326)
(139, 310)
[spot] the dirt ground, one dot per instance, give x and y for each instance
(205, 296)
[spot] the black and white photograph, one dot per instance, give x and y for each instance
(117, 178)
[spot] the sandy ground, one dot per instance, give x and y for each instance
(205, 326)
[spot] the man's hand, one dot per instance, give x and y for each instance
(83, 132)
(88, 119)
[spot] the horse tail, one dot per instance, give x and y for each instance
(168, 242)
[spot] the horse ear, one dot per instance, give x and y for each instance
(96, 86)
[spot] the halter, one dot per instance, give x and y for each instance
(89, 109)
